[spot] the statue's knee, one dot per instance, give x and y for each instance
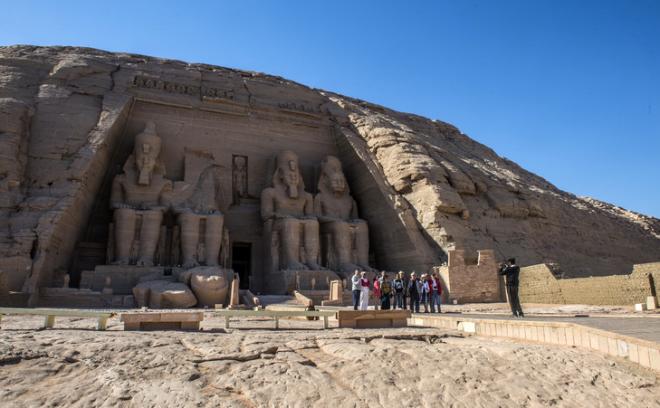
(124, 213)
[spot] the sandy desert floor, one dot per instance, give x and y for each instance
(302, 366)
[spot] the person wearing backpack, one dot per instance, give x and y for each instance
(385, 291)
(414, 291)
(399, 291)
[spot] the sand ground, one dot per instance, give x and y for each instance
(302, 365)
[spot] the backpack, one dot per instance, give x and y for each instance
(398, 285)
(385, 288)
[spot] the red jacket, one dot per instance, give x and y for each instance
(438, 285)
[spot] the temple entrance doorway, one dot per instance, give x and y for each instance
(241, 254)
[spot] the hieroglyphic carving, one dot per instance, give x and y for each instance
(140, 81)
(239, 177)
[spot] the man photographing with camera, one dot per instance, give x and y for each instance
(512, 273)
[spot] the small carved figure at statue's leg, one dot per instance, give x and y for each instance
(312, 244)
(213, 238)
(189, 225)
(290, 243)
(124, 234)
(151, 221)
(362, 245)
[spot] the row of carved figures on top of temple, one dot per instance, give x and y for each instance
(294, 221)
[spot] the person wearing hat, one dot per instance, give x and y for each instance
(364, 291)
(512, 273)
(414, 290)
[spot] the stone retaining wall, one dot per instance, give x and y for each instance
(642, 352)
(539, 285)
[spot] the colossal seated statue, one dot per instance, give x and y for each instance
(348, 246)
(141, 193)
(288, 213)
(196, 205)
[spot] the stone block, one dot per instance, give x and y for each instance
(622, 348)
(644, 356)
(162, 321)
(561, 336)
(633, 353)
(372, 318)
(612, 348)
(570, 339)
(654, 357)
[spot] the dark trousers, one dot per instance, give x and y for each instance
(385, 302)
(356, 299)
(414, 304)
(514, 300)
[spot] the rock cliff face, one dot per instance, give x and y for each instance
(423, 186)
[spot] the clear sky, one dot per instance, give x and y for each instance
(570, 90)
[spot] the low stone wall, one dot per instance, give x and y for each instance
(643, 352)
(539, 285)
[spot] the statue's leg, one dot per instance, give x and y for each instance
(189, 225)
(312, 244)
(149, 234)
(213, 238)
(341, 240)
(124, 234)
(289, 229)
(362, 244)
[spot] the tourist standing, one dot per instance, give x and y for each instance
(385, 291)
(356, 288)
(424, 298)
(399, 287)
(376, 292)
(414, 290)
(364, 291)
(435, 291)
(512, 273)
(406, 294)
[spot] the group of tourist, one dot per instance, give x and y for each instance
(401, 292)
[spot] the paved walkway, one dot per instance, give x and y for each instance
(646, 328)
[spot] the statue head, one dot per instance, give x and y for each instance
(332, 178)
(147, 153)
(287, 174)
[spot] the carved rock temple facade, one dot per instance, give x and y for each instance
(117, 168)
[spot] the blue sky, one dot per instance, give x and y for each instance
(570, 90)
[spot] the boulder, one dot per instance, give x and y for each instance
(210, 284)
(163, 294)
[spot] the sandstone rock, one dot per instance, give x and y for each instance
(423, 187)
(210, 285)
(163, 294)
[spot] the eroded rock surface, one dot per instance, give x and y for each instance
(302, 368)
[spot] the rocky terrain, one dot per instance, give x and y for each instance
(302, 366)
(63, 111)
